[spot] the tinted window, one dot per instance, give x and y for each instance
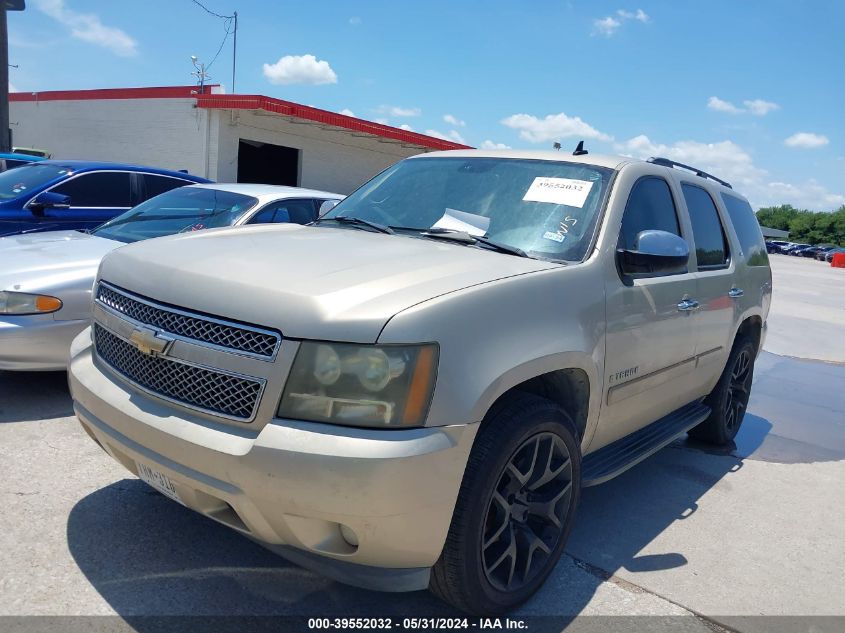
(296, 211)
(747, 230)
(155, 185)
(99, 189)
(650, 207)
(21, 181)
(711, 246)
(11, 163)
(178, 211)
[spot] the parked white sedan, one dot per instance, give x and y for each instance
(46, 279)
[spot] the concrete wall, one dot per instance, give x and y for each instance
(173, 134)
(167, 133)
(330, 159)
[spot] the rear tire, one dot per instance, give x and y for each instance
(515, 507)
(729, 399)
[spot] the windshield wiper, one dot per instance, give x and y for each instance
(347, 219)
(465, 238)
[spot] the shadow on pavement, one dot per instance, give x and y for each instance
(32, 396)
(146, 555)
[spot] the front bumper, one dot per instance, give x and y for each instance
(295, 487)
(37, 342)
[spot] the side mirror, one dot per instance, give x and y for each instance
(327, 206)
(655, 253)
(49, 200)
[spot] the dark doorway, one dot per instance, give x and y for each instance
(267, 163)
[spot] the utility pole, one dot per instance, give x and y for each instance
(234, 50)
(5, 133)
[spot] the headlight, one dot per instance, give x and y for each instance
(360, 385)
(24, 303)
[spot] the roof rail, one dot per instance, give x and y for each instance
(665, 162)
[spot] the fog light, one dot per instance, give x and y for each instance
(348, 535)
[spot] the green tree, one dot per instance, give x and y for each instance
(813, 227)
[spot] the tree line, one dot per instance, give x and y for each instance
(812, 227)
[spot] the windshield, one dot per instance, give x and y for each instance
(26, 178)
(178, 210)
(546, 208)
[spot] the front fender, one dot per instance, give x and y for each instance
(496, 335)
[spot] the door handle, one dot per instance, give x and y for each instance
(735, 293)
(687, 305)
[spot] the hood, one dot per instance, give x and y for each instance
(58, 263)
(308, 282)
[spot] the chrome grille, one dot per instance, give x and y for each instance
(205, 389)
(199, 328)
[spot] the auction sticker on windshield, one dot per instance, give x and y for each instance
(568, 191)
(159, 481)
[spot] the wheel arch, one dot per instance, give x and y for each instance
(569, 380)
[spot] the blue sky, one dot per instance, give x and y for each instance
(752, 90)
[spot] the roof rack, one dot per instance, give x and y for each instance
(665, 162)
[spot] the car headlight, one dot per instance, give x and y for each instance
(25, 303)
(360, 385)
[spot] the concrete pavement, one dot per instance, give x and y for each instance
(752, 530)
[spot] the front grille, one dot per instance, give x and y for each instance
(199, 328)
(193, 386)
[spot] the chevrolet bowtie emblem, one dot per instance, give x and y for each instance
(150, 342)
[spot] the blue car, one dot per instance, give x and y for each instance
(54, 195)
(8, 161)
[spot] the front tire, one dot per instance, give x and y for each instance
(729, 399)
(515, 508)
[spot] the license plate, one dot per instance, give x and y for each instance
(159, 481)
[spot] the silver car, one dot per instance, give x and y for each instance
(46, 278)
(413, 392)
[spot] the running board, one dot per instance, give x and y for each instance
(617, 457)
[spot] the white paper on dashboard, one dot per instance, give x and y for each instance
(568, 191)
(463, 221)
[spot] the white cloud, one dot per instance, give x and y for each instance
(488, 144)
(299, 69)
(406, 127)
(355, 20)
(552, 127)
(608, 26)
(806, 140)
(731, 162)
(12, 87)
(719, 105)
(451, 135)
(381, 121)
(758, 107)
(640, 15)
(397, 111)
(88, 28)
(347, 112)
(453, 120)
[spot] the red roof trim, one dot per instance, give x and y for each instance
(245, 102)
(162, 92)
(288, 108)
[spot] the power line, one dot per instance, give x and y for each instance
(207, 10)
(230, 25)
(226, 25)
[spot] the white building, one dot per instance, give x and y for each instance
(227, 138)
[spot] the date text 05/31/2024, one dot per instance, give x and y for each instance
(417, 623)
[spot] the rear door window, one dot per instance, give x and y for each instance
(747, 230)
(154, 184)
(294, 211)
(110, 189)
(711, 245)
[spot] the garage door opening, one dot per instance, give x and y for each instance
(267, 163)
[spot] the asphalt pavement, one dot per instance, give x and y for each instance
(722, 537)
